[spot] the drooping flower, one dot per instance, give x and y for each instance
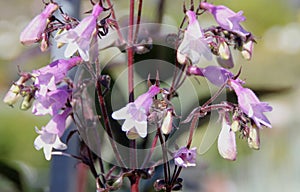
(52, 102)
(215, 74)
(226, 141)
(78, 39)
(34, 30)
(194, 44)
(135, 113)
(58, 69)
(185, 157)
(227, 18)
(48, 141)
(47, 78)
(250, 104)
(57, 124)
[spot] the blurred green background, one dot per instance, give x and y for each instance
(275, 67)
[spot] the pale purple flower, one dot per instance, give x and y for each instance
(48, 141)
(47, 78)
(52, 102)
(58, 69)
(250, 104)
(34, 30)
(78, 39)
(135, 113)
(194, 44)
(227, 18)
(185, 157)
(215, 74)
(57, 124)
(226, 142)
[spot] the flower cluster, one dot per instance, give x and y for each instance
(49, 90)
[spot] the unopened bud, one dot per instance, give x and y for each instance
(254, 138)
(235, 126)
(44, 43)
(181, 58)
(118, 183)
(166, 126)
(13, 94)
(132, 134)
(224, 50)
(27, 102)
(247, 50)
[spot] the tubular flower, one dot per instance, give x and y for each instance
(58, 69)
(135, 113)
(250, 104)
(227, 18)
(194, 44)
(48, 141)
(52, 102)
(185, 157)
(226, 142)
(79, 38)
(34, 30)
(216, 75)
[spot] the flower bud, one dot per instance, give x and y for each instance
(44, 43)
(34, 30)
(132, 134)
(159, 185)
(166, 126)
(224, 50)
(226, 142)
(118, 183)
(13, 94)
(235, 126)
(254, 138)
(247, 50)
(182, 58)
(27, 102)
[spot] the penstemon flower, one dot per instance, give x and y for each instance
(52, 102)
(227, 18)
(49, 91)
(250, 104)
(185, 157)
(34, 30)
(194, 44)
(135, 113)
(48, 141)
(215, 74)
(78, 39)
(57, 69)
